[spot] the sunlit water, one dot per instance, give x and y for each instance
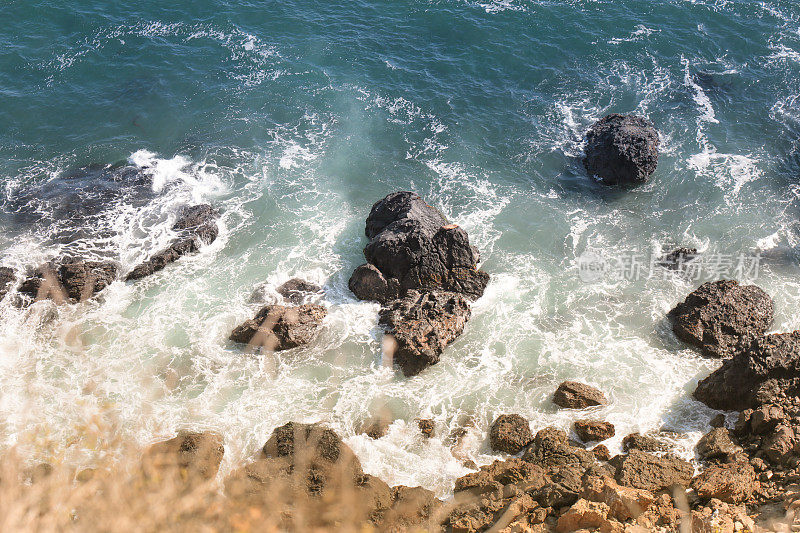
(294, 117)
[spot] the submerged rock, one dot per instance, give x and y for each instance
(510, 434)
(196, 226)
(574, 395)
(678, 258)
(622, 149)
(73, 280)
(422, 324)
(7, 278)
(297, 290)
(277, 327)
(414, 247)
(721, 316)
(766, 370)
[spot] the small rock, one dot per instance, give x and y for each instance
(426, 427)
(677, 258)
(574, 395)
(717, 444)
(636, 441)
(297, 290)
(510, 434)
(718, 421)
(593, 430)
(765, 418)
(276, 327)
(368, 283)
(376, 427)
(71, 281)
(601, 452)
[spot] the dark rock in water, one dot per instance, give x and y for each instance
(426, 427)
(413, 243)
(718, 421)
(368, 283)
(296, 290)
(189, 458)
(622, 149)
(636, 441)
(7, 278)
(767, 370)
(73, 280)
(422, 324)
(721, 317)
(574, 395)
(594, 430)
(677, 258)
(376, 427)
(642, 470)
(510, 434)
(197, 227)
(277, 327)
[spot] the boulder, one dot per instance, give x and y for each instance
(766, 369)
(422, 325)
(623, 502)
(718, 421)
(642, 470)
(551, 448)
(677, 258)
(7, 278)
(426, 427)
(73, 280)
(495, 476)
(196, 226)
(729, 482)
(721, 317)
(717, 444)
(593, 430)
(582, 515)
(636, 441)
(621, 150)
(780, 445)
(276, 327)
(297, 291)
(574, 395)
(189, 458)
(601, 452)
(413, 244)
(765, 418)
(510, 434)
(368, 283)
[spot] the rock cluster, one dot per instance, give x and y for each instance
(424, 271)
(71, 280)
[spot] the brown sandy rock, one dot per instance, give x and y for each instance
(593, 430)
(646, 471)
(623, 502)
(276, 327)
(189, 458)
(729, 482)
(574, 395)
(582, 515)
(510, 434)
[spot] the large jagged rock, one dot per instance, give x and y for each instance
(621, 149)
(277, 327)
(766, 370)
(188, 459)
(717, 444)
(642, 470)
(71, 280)
(413, 246)
(7, 278)
(422, 325)
(510, 434)
(729, 482)
(721, 317)
(574, 395)
(196, 226)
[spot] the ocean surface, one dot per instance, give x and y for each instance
(293, 118)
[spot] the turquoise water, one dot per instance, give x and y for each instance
(294, 117)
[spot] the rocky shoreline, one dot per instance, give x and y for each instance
(425, 274)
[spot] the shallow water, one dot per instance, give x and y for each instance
(294, 117)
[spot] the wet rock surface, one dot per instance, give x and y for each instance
(594, 430)
(71, 280)
(621, 150)
(7, 279)
(510, 434)
(297, 291)
(277, 327)
(422, 325)
(196, 226)
(722, 317)
(574, 395)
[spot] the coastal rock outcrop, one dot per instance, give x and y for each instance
(277, 327)
(196, 226)
(422, 324)
(510, 434)
(621, 149)
(189, 458)
(720, 317)
(414, 245)
(71, 280)
(765, 371)
(574, 395)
